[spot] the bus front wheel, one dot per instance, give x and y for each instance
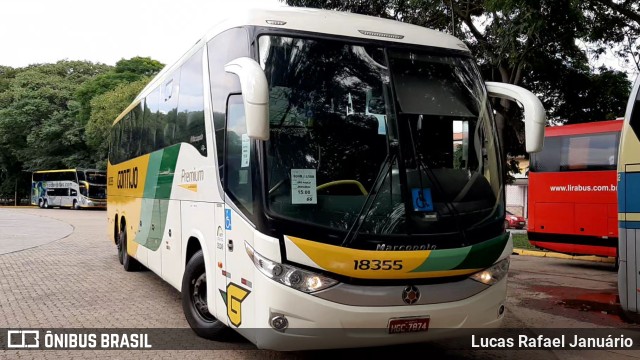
(194, 301)
(75, 205)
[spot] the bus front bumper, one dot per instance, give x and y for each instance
(315, 323)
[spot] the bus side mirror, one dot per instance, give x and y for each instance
(255, 92)
(534, 113)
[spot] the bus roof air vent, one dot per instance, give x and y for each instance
(379, 34)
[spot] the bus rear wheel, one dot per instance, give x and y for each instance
(128, 262)
(194, 301)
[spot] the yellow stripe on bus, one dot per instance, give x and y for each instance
(371, 264)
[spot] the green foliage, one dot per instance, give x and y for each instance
(521, 241)
(125, 71)
(45, 109)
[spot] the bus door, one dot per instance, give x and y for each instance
(238, 211)
(629, 207)
(67, 199)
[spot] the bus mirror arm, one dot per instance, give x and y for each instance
(255, 91)
(534, 113)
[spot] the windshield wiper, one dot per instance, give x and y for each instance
(420, 165)
(385, 170)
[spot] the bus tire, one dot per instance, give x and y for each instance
(75, 205)
(128, 263)
(45, 204)
(120, 248)
(194, 302)
(40, 203)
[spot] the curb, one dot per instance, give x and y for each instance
(551, 254)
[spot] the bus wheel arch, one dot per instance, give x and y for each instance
(115, 230)
(193, 246)
(128, 262)
(194, 296)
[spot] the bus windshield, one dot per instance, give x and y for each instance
(380, 141)
(97, 183)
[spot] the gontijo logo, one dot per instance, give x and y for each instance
(128, 178)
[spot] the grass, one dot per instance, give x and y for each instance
(521, 241)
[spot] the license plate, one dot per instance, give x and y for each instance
(408, 325)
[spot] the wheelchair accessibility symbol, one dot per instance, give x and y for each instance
(227, 219)
(422, 200)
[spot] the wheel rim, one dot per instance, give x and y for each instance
(199, 297)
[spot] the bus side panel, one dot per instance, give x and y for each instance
(154, 258)
(171, 247)
(573, 204)
(240, 270)
(199, 223)
(632, 278)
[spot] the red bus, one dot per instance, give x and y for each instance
(572, 189)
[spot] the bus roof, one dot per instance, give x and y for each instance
(66, 170)
(584, 128)
(338, 23)
(319, 21)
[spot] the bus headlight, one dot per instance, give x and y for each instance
(288, 275)
(492, 274)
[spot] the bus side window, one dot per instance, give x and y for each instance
(169, 108)
(150, 122)
(238, 156)
(223, 48)
(634, 121)
(190, 126)
(115, 150)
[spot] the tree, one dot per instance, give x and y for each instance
(614, 24)
(38, 119)
(531, 43)
(125, 71)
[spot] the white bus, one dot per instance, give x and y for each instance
(255, 177)
(70, 188)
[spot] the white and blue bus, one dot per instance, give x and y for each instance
(629, 206)
(296, 170)
(69, 188)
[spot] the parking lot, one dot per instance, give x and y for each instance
(68, 276)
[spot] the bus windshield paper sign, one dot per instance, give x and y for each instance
(303, 186)
(246, 144)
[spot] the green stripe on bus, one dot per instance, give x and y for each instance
(478, 256)
(157, 192)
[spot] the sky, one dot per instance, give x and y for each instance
(46, 31)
